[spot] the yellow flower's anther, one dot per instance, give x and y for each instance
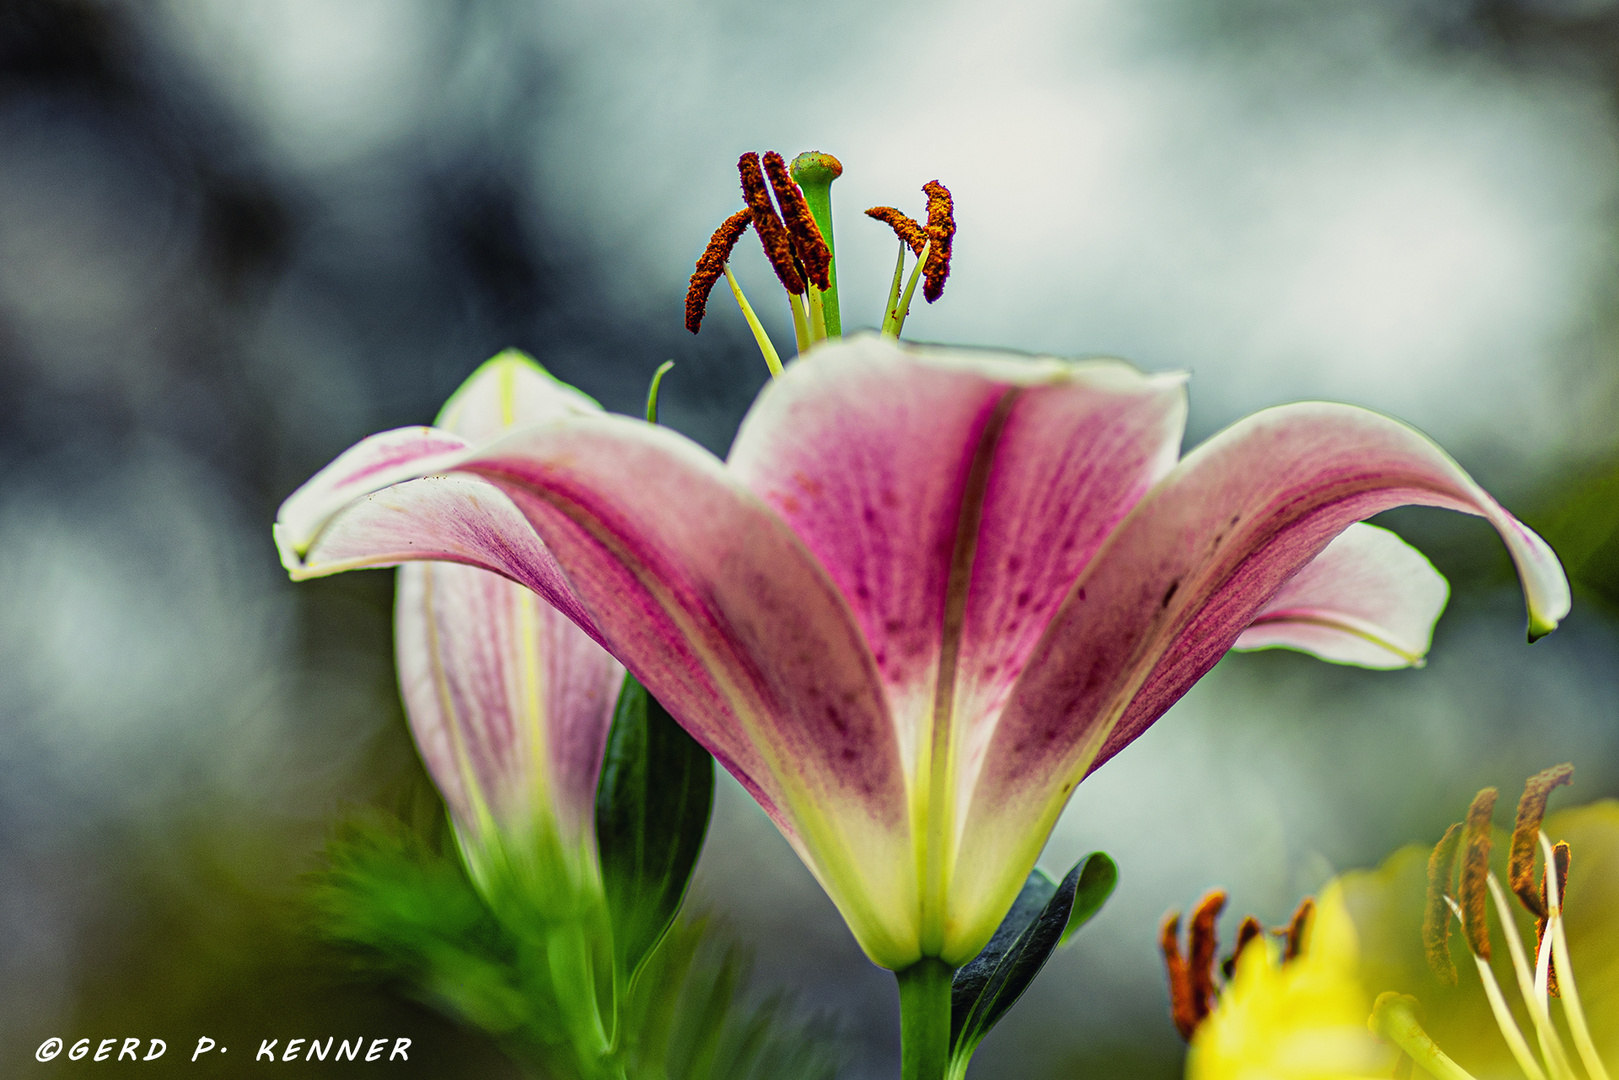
(1202, 945)
(1250, 929)
(1297, 927)
(1531, 810)
(1473, 890)
(711, 266)
(1559, 867)
(813, 254)
(1394, 1018)
(772, 233)
(909, 231)
(1436, 913)
(941, 230)
(1183, 1009)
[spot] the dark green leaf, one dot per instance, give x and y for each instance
(1042, 917)
(652, 807)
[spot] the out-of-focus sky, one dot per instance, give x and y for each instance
(237, 235)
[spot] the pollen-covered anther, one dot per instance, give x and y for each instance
(1182, 1009)
(1473, 891)
(909, 231)
(814, 256)
(767, 224)
(1250, 929)
(941, 230)
(1202, 947)
(1297, 927)
(1560, 857)
(711, 266)
(1525, 831)
(1436, 912)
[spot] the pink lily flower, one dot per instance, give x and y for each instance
(509, 702)
(930, 589)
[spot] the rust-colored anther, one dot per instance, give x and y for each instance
(1202, 945)
(941, 229)
(808, 244)
(1246, 933)
(1473, 892)
(1181, 1008)
(1436, 913)
(909, 231)
(772, 234)
(1297, 927)
(1526, 834)
(711, 266)
(1560, 855)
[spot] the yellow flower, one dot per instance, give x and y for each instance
(1302, 1019)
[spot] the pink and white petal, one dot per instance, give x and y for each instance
(510, 390)
(369, 465)
(892, 461)
(1183, 576)
(713, 603)
(509, 702)
(455, 518)
(1369, 599)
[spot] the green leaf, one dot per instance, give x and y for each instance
(652, 808)
(1044, 915)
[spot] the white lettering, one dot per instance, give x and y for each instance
(48, 1049)
(344, 1050)
(292, 1050)
(202, 1049)
(377, 1047)
(156, 1050)
(266, 1048)
(132, 1047)
(104, 1049)
(400, 1046)
(313, 1043)
(80, 1048)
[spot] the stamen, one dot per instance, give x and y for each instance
(1436, 915)
(652, 391)
(909, 231)
(1473, 892)
(772, 234)
(1572, 1009)
(1531, 811)
(1559, 866)
(766, 347)
(1551, 1047)
(808, 245)
(1394, 1017)
(1297, 928)
(1203, 945)
(711, 265)
(941, 229)
(1181, 1007)
(1246, 933)
(1503, 1016)
(896, 315)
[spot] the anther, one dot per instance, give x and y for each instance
(1436, 913)
(1181, 1007)
(1525, 832)
(711, 266)
(1246, 933)
(941, 229)
(1297, 927)
(909, 231)
(1560, 857)
(1473, 891)
(1201, 949)
(772, 234)
(808, 244)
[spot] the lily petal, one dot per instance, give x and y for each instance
(1185, 574)
(1369, 599)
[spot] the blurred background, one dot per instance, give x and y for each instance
(238, 235)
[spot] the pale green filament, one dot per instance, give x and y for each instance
(903, 308)
(1531, 986)
(1394, 1019)
(801, 335)
(817, 315)
(893, 289)
(1572, 1009)
(772, 361)
(652, 391)
(1503, 1015)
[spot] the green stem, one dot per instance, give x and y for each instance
(924, 1019)
(652, 391)
(573, 976)
(814, 172)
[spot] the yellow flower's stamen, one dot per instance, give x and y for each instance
(1204, 944)
(1436, 913)
(1297, 927)
(1249, 929)
(1572, 1009)
(1472, 892)
(1530, 986)
(1191, 978)
(772, 360)
(1181, 1008)
(1394, 1018)
(1526, 827)
(711, 264)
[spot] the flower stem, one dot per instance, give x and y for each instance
(924, 1019)
(1394, 1019)
(772, 361)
